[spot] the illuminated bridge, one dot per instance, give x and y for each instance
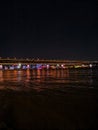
(44, 64)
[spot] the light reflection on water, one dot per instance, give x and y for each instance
(48, 79)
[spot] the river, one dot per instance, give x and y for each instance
(56, 99)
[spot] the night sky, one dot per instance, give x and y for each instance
(49, 29)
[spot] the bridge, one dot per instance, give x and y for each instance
(13, 63)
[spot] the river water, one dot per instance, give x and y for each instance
(63, 99)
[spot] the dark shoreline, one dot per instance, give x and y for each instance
(75, 109)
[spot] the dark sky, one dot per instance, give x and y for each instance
(49, 29)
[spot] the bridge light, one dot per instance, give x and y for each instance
(28, 66)
(19, 66)
(47, 66)
(90, 65)
(1, 67)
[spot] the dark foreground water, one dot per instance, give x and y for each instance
(49, 99)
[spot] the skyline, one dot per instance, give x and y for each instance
(50, 30)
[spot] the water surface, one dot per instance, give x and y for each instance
(63, 99)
